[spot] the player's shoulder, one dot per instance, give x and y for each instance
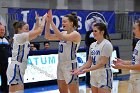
(107, 42)
(93, 44)
(138, 43)
(21, 34)
(76, 32)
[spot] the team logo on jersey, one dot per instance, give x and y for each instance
(94, 17)
(95, 52)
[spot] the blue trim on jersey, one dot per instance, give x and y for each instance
(22, 54)
(71, 50)
(18, 52)
(72, 75)
(20, 75)
(111, 78)
(75, 49)
(4, 43)
(107, 65)
(14, 74)
(107, 77)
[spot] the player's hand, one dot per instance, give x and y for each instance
(77, 72)
(118, 63)
(49, 16)
(36, 16)
(44, 16)
(86, 70)
(118, 66)
(43, 20)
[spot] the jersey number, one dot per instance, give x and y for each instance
(94, 60)
(61, 48)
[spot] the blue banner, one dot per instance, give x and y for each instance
(134, 15)
(85, 17)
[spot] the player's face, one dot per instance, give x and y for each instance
(97, 33)
(25, 28)
(66, 24)
(2, 30)
(136, 30)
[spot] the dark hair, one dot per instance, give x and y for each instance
(102, 27)
(0, 23)
(47, 42)
(73, 18)
(18, 24)
(36, 45)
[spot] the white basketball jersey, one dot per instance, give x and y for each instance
(67, 51)
(136, 57)
(21, 48)
(103, 49)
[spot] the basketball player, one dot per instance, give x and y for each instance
(98, 61)
(68, 45)
(21, 47)
(134, 65)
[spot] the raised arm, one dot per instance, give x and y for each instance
(33, 34)
(74, 36)
(37, 20)
(48, 35)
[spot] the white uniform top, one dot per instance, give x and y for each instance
(105, 48)
(67, 50)
(136, 57)
(21, 48)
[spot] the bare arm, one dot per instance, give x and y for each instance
(102, 61)
(126, 65)
(73, 36)
(37, 21)
(127, 62)
(33, 34)
(129, 67)
(87, 64)
(132, 67)
(82, 68)
(48, 35)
